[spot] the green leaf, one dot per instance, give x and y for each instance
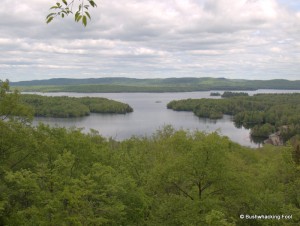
(93, 4)
(77, 14)
(78, 18)
(89, 16)
(84, 20)
(65, 2)
(49, 19)
(51, 14)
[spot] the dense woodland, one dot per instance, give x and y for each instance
(66, 107)
(228, 94)
(263, 113)
(55, 176)
(215, 94)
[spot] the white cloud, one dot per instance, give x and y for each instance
(151, 38)
(275, 50)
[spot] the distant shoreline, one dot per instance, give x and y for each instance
(130, 85)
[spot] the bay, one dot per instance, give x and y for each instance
(150, 114)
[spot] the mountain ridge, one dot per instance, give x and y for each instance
(124, 84)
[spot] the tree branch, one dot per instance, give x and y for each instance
(184, 192)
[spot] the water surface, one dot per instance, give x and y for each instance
(150, 114)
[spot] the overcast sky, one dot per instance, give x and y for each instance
(248, 39)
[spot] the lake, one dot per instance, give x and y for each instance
(150, 114)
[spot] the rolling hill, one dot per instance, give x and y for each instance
(122, 84)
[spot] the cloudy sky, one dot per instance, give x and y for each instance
(249, 39)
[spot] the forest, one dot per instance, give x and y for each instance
(122, 84)
(262, 113)
(58, 176)
(215, 94)
(67, 107)
(227, 94)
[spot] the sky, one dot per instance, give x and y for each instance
(236, 39)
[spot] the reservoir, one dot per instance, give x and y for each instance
(150, 114)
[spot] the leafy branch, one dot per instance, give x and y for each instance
(65, 8)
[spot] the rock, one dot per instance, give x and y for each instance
(274, 139)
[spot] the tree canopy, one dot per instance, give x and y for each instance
(262, 113)
(67, 107)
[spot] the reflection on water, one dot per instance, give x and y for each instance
(150, 113)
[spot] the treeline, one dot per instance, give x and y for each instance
(99, 88)
(54, 176)
(121, 84)
(228, 94)
(65, 107)
(263, 113)
(215, 94)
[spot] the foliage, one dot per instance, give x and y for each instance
(171, 178)
(263, 131)
(233, 94)
(263, 113)
(65, 8)
(103, 105)
(10, 105)
(65, 107)
(215, 94)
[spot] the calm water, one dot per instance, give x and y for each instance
(150, 113)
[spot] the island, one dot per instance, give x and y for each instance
(264, 114)
(215, 94)
(68, 107)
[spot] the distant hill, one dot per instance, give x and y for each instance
(122, 84)
(70, 81)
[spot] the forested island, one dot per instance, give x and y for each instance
(56, 176)
(67, 107)
(215, 94)
(263, 113)
(120, 84)
(227, 94)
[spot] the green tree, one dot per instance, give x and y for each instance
(11, 107)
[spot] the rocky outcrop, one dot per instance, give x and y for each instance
(274, 139)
